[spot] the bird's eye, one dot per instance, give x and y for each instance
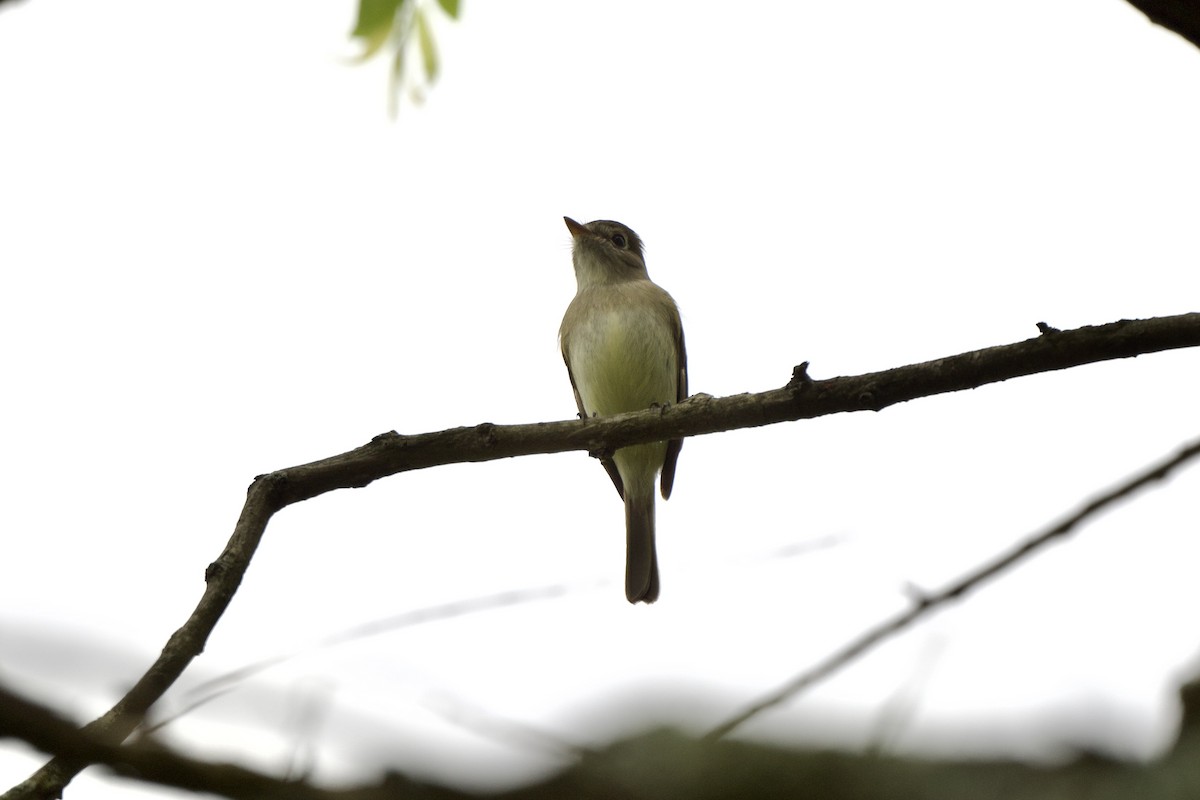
(619, 240)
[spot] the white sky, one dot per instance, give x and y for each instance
(220, 258)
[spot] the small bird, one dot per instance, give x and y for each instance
(622, 339)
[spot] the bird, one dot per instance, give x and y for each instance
(622, 341)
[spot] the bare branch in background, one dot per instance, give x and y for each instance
(925, 604)
(150, 763)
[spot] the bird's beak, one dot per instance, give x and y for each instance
(574, 227)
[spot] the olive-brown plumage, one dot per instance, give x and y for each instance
(622, 341)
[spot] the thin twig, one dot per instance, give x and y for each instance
(222, 684)
(926, 603)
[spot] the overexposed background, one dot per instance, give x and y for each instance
(221, 257)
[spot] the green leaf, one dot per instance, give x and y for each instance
(429, 56)
(450, 7)
(373, 15)
(374, 23)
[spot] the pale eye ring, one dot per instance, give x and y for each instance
(619, 240)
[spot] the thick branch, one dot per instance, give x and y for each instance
(391, 453)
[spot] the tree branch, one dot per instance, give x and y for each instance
(666, 765)
(925, 604)
(392, 453)
(151, 763)
(1181, 16)
(802, 398)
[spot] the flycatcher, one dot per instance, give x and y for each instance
(622, 340)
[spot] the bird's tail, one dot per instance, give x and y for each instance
(641, 560)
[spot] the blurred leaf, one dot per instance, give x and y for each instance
(394, 24)
(374, 23)
(429, 55)
(394, 82)
(373, 15)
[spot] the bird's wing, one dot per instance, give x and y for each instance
(681, 393)
(610, 466)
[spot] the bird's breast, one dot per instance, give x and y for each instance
(623, 356)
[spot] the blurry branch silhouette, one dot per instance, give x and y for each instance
(1181, 16)
(214, 688)
(506, 732)
(924, 604)
(392, 453)
(666, 765)
(309, 710)
(146, 761)
(899, 710)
